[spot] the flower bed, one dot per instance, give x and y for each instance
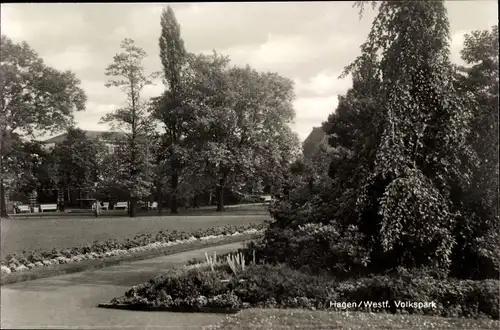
(112, 248)
(278, 286)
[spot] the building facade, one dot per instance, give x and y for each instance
(317, 138)
(109, 139)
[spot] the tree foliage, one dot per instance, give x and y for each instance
(134, 119)
(421, 162)
(78, 160)
(405, 168)
(33, 168)
(479, 247)
(33, 98)
(242, 117)
(27, 86)
(170, 107)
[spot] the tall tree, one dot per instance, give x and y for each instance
(169, 107)
(206, 97)
(479, 239)
(410, 198)
(243, 117)
(78, 160)
(34, 169)
(134, 119)
(34, 98)
(355, 130)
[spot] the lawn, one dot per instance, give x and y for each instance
(305, 319)
(29, 233)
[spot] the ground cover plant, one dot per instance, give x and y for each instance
(256, 285)
(102, 249)
(278, 319)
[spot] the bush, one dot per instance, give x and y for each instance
(282, 286)
(261, 283)
(453, 298)
(323, 249)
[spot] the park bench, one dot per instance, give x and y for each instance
(153, 206)
(48, 207)
(23, 208)
(121, 205)
(105, 206)
(267, 199)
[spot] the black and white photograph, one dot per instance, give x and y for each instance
(250, 165)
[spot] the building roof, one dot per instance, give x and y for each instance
(316, 137)
(93, 135)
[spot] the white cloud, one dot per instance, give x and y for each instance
(312, 111)
(153, 90)
(94, 87)
(325, 83)
(281, 52)
(456, 45)
(10, 26)
(89, 119)
(74, 58)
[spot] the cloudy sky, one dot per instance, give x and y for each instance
(308, 42)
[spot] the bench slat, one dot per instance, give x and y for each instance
(48, 207)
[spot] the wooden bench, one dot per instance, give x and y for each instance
(103, 206)
(121, 205)
(48, 207)
(23, 208)
(267, 199)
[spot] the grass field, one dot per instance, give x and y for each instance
(270, 319)
(29, 233)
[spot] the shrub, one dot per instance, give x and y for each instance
(263, 282)
(318, 248)
(281, 286)
(453, 298)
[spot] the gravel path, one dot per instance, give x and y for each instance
(69, 301)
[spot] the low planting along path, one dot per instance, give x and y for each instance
(69, 301)
(18, 234)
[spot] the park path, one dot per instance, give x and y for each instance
(69, 301)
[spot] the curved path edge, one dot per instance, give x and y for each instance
(70, 300)
(55, 270)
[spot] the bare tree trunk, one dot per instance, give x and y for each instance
(133, 207)
(159, 195)
(175, 185)
(220, 198)
(195, 201)
(220, 194)
(3, 206)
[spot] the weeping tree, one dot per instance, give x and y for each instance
(416, 164)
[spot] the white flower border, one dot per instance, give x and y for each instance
(95, 255)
